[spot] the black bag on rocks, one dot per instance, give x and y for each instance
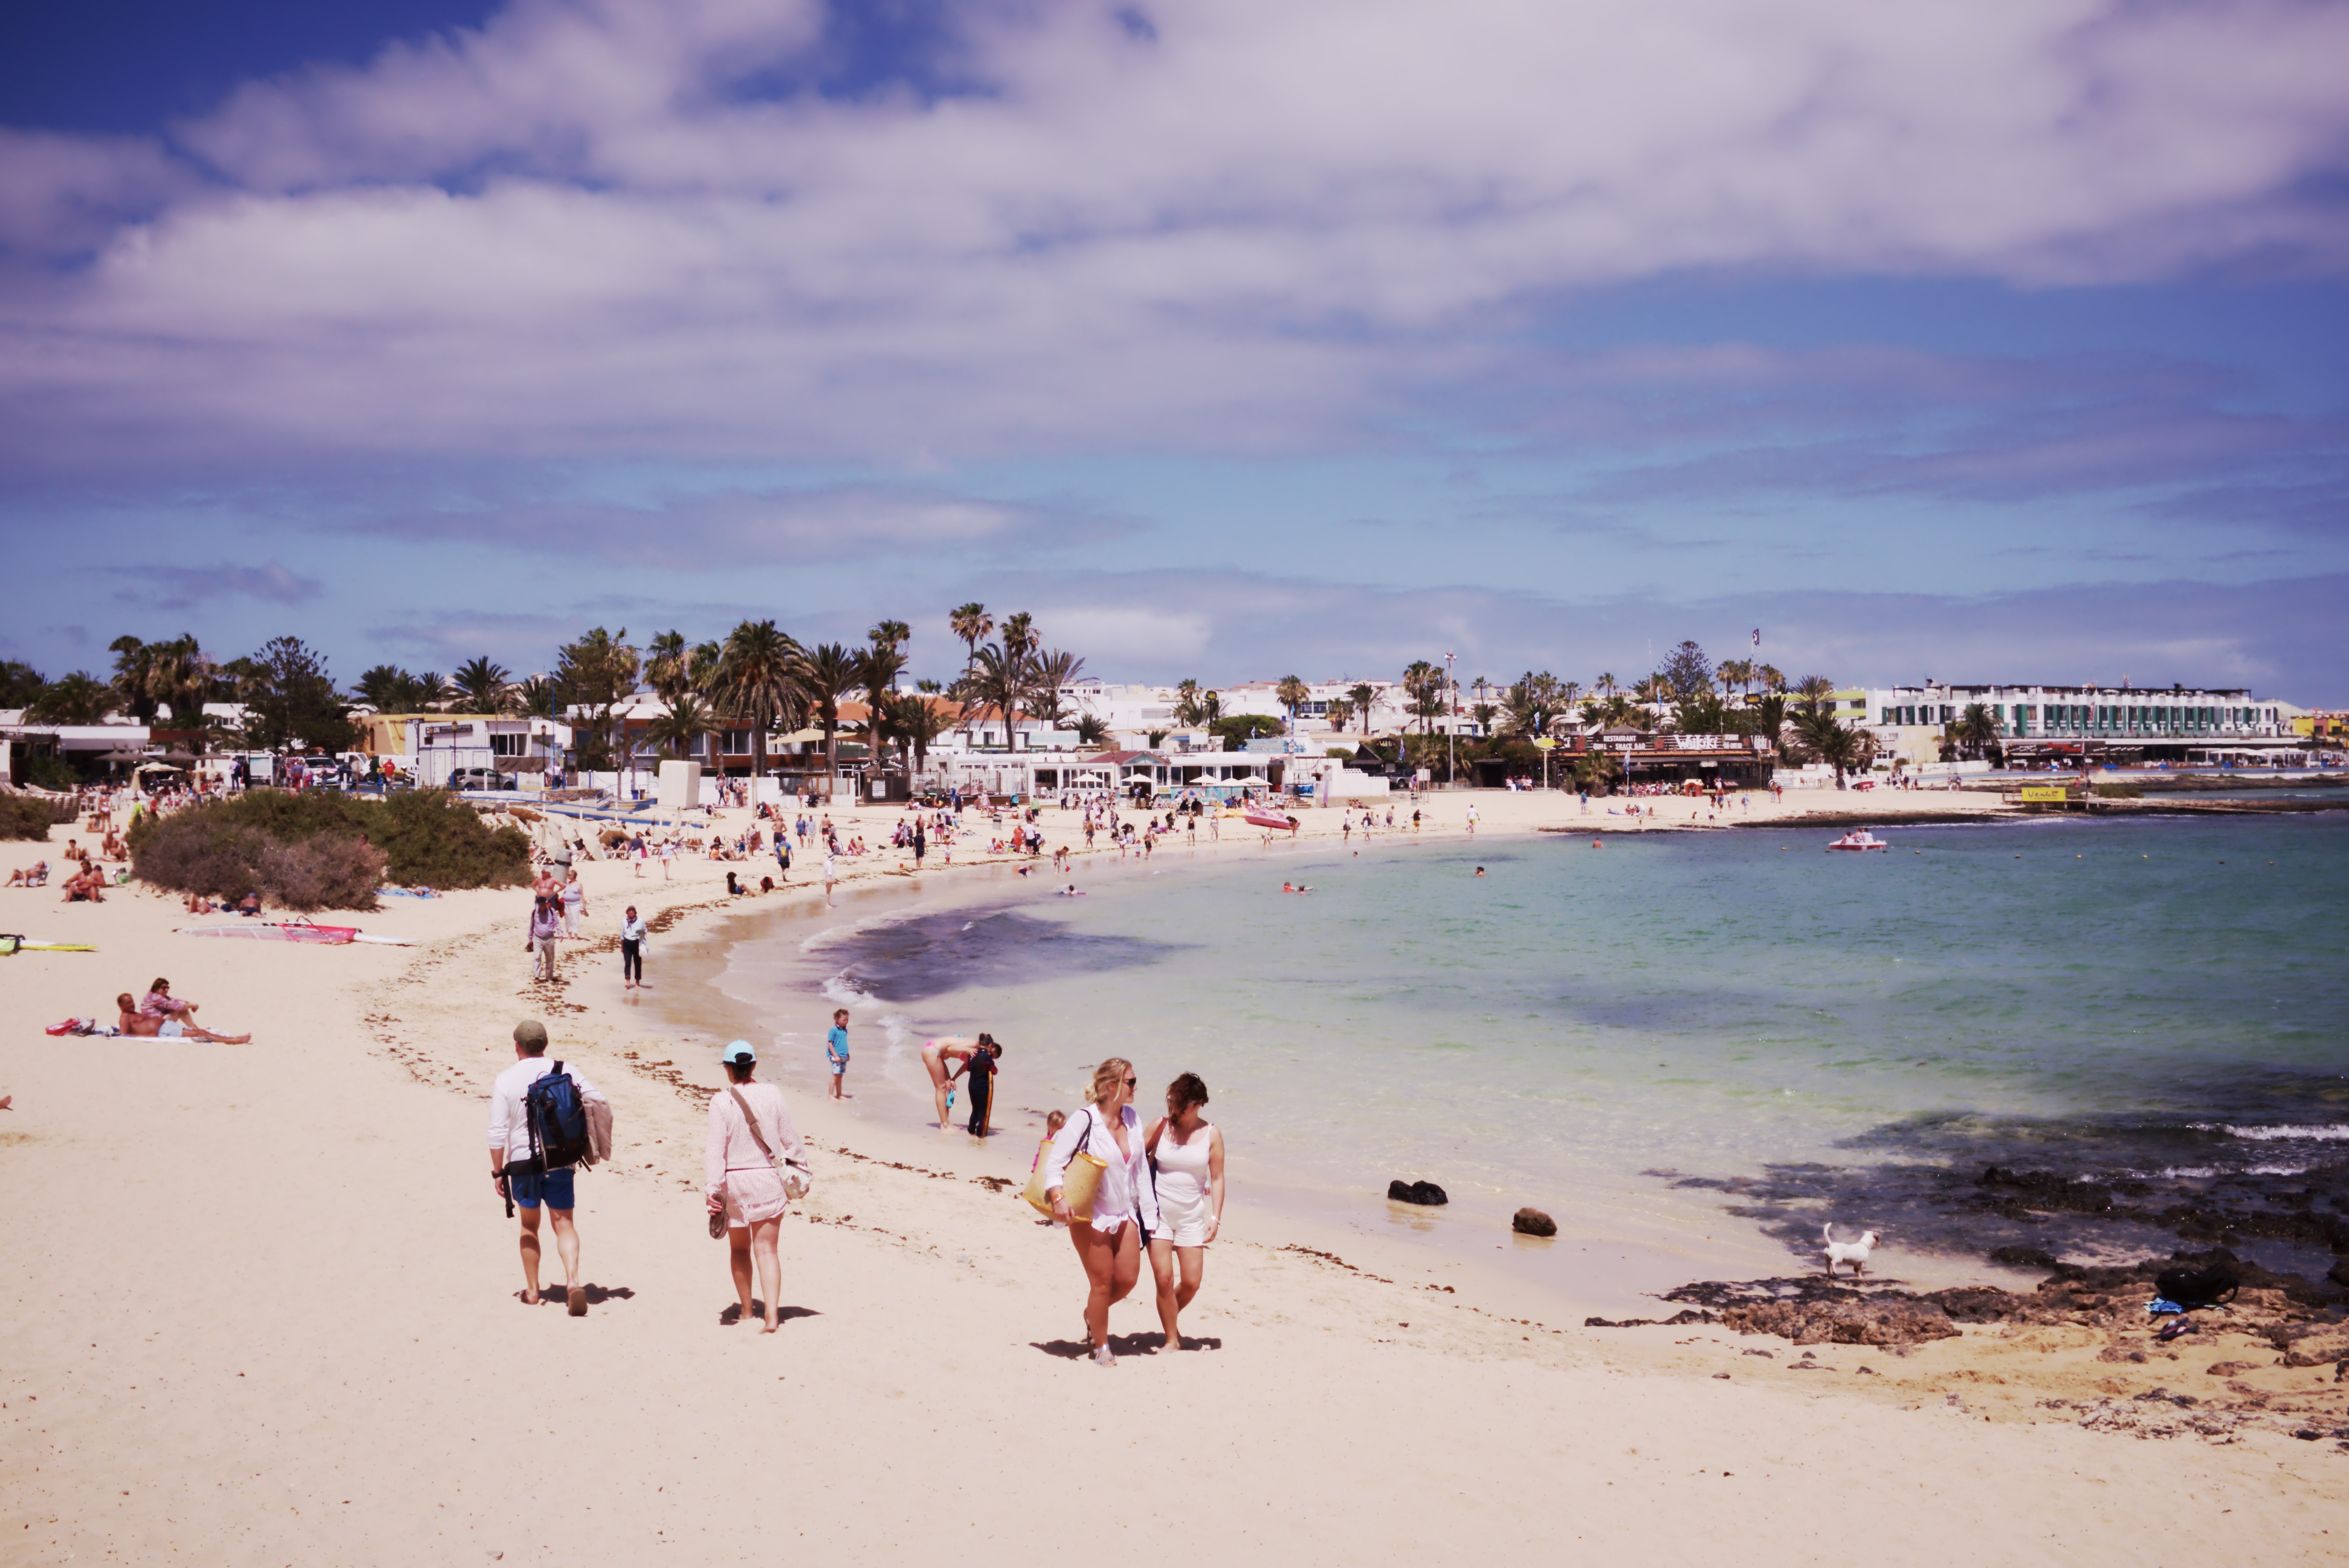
(2192, 1288)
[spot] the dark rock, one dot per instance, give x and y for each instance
(1675, 1320)
(2339, 1273)
(1893, 1319)
(1425, 1193)
(2023, 1258)
(1532, 1223)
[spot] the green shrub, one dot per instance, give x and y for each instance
(50, 771)
(328, 871)
(32, 816)
(2121, 791)
(227, 849)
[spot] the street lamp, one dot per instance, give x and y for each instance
(1450, 725)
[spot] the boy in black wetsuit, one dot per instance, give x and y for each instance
(980, 1065)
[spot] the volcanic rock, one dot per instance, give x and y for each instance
(1532, 1223)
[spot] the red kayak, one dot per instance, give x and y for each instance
(1278, 824)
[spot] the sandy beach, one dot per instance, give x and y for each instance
(264, 1308)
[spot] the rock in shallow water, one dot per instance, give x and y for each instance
(1427, 1194)
(1532, 1223)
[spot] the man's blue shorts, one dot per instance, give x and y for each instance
(553, 1189)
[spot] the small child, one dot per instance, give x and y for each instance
(1053, 1125)
(836, 1052)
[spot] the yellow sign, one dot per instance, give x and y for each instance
(2045, 792)
(1544, 744)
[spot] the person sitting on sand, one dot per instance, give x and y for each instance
(85, 886)
(113, 849)
(34, 875)
(198, 904)
(248, 905)
(138, 1026)
(159, 1003)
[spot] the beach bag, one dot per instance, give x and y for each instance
(557, 1116)
(1078, 1183)
(2192, 1288)
(798, 1177)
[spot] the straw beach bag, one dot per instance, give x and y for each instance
(1078, 1184)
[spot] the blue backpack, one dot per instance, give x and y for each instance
(558, 1120)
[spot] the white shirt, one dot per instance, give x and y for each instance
(509, 1127)
(1125, 1192)
(633, 930)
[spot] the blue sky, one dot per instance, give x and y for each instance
(1970, 341)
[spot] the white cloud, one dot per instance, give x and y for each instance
(569, 235)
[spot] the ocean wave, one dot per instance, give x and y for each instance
(2337, 1132)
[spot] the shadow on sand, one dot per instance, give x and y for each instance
(1123, 1344)
(733, 1312)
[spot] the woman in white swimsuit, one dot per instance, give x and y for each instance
(936, 1053)
(1109, 1244)
(1190, 1156)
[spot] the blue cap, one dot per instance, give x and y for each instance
(740, 1051)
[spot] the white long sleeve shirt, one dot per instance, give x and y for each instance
(1125, 1190)
(509, 1125)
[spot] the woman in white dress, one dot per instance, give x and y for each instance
(1189, 1153)
(1109, 1244)
(742, 1187)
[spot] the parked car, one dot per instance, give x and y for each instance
(479, 778)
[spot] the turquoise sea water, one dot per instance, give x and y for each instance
(2140, 1024)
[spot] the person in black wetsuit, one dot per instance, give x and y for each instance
(980, 1065)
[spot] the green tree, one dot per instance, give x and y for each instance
(682, 724)
(1238, 728)
(20, 683)
(668, 667)
(78, 699)
(1686, 673)
(756, 681)
(1596, 770)
(826, 673)
(1423, 684)
(1976, 731)
(596, 673)
(1091, 730)
(1363, 697)
(999, 679)
(916, 720)
(483, 686)
(291, 700)
(539, 696)
(1340, 714)
(1051, 673)
(1293, 693)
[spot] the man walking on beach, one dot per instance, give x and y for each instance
(531, 1188)
(546, 928)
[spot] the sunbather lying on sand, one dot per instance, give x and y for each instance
(34, 875)
(139, 1025)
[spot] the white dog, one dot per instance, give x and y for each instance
(1852, 1253)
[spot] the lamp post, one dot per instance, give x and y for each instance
(1450, 723)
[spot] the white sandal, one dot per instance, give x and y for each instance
(1102, 1358)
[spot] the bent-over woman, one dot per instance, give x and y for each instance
(740, 1181)
(1189, 1152)
(936, 1053)
(1110, 1246)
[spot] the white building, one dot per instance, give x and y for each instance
(2179, 724)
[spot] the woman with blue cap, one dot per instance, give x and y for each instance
(751, 1138)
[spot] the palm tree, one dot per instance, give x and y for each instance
(78, 699)
(1019, 634)
(687, 720)
(482, 686)
(1423, 683)
(1976, 731)
(1769, 678)
(877, 668)
(1190, 712)
(1362, 694)
(756, 682)
(971, 623)
(1342, 714)
(1091, 730)
(1049, 674)
(890, 634)
(596, 671)
(1293, 693)
(1605, 682)
(382, 686)
(826, 673)
(916, 722)
(668, 670)
(539, 697)
(1813, 690)
(1842, 747)
(998, 679)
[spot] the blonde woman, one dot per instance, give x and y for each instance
(740, 1181)
(1189, 1152)
(1109, 1245)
